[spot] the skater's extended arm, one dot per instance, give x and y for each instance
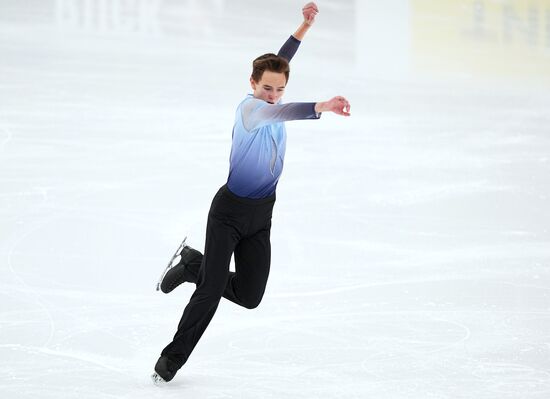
(289, 48)
(257, 113)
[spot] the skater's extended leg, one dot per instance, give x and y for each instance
(221, 240)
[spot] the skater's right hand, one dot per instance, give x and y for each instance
(309, 12)
(339, 105)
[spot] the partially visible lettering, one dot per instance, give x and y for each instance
(510, 23)
(121, 16)
(515, 27)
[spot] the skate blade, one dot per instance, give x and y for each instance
(171, 263)
(158, 380)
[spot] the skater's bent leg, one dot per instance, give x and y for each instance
(193, 267)
(246, 286)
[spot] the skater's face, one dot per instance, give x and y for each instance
(270, 88)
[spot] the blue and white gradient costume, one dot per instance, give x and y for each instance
(259, 140)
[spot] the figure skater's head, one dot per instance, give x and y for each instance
(270, 74)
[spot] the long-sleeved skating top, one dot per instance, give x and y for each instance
(259, 139)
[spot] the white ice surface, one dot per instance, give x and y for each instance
(411, 244)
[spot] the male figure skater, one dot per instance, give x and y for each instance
(239, 220)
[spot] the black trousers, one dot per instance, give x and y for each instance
(235, 225)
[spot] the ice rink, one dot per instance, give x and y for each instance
(410, 242)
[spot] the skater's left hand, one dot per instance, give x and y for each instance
(339, 105)
(309, 12)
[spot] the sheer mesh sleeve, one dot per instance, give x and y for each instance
(257, 113)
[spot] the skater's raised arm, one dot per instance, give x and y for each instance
(289, 48)
(309, 11)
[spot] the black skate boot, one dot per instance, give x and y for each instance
(182, 270)
(165, 370)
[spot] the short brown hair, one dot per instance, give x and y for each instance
(269, 62)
